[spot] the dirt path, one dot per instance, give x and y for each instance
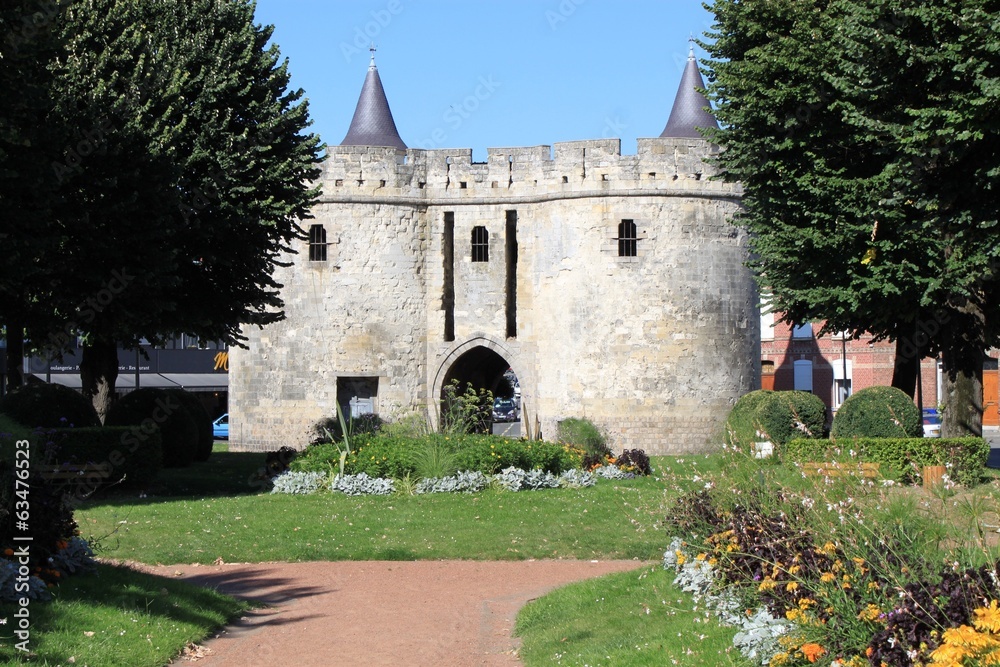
(404, 614)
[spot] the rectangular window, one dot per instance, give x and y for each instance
(766, 318)
(802, 331)
(803, 374)
(480, 244)
(628, 240)
(511, 253)
(841, 382)
(317, 243)
(448, 293)
(357, 396)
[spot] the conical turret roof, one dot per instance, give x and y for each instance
(690, 106)
(372, 124)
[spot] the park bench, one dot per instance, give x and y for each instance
(834, 469)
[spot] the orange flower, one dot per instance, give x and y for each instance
(812, 651)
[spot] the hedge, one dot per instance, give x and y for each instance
(49, 406)
(150, 406)
(878, 412)
(202, 422)
(900, 458)
(124, 454)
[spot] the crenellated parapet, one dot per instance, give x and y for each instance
(679, 166)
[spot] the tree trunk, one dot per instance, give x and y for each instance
(15, 354)
(963, 394)
(99, 373)
(905, 367)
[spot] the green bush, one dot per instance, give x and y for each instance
(202, 422)
(776, 416)
(878, 412)
(584, 434)
(902, 458)
(150, 407)
(741, 425)
(49, 406)
(125, 455)
(382, 455)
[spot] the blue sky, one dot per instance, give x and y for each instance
(471, 74)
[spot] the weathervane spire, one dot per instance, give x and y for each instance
(371, 48)
(691, 43)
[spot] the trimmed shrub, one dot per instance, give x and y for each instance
(202, 422)
(903, 458)
(777, 416)
(150, 406)
(49, 406)
(878, 412)
(125, 455)
(741, 426)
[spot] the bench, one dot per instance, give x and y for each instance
(833, 469)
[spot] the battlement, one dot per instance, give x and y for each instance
(567, 167)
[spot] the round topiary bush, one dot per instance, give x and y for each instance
(202, 421)
(49, 406)
(150, 406)
(741, 427)
(774, 416)
(787, 415)
(878, 412)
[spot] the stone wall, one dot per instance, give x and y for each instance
(653, 348)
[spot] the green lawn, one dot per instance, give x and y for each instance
(218, 509)
(614, 519)
(117, 617)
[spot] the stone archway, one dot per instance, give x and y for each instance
(480, 362)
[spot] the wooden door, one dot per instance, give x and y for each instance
(991, 410)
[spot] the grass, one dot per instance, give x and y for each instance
(611, 520)
(631, 619)
(117, 617)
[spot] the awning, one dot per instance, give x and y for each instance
(126, 381)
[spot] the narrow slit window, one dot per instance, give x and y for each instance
(628, 239)
(317, 243)
(480, 244)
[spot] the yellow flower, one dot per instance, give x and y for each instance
(795, 615)
(779, 659)
(681, 558)
(987, 618)
(766, 585)
(701, 556)
(805, 603)
(827, 577)
(794, 569)
(869, 613)
(792, 585)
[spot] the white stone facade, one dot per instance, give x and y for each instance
(653, 348)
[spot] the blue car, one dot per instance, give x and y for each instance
(932, 423)
(220, 427)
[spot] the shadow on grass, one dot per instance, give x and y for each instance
(118, 596)
(223, 474)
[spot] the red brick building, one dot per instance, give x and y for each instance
(798, 358)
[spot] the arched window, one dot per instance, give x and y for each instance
(627, 239)
(480, 244)
(317, 243)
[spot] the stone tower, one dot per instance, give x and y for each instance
(612, 285)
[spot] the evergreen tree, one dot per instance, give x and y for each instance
(865, 135)
(188, 171)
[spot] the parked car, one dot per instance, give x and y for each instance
(220, 427)
(932, 423)
(505, 410)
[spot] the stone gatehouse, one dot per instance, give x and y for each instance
(612, 285)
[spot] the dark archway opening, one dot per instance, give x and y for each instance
(489, 376)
